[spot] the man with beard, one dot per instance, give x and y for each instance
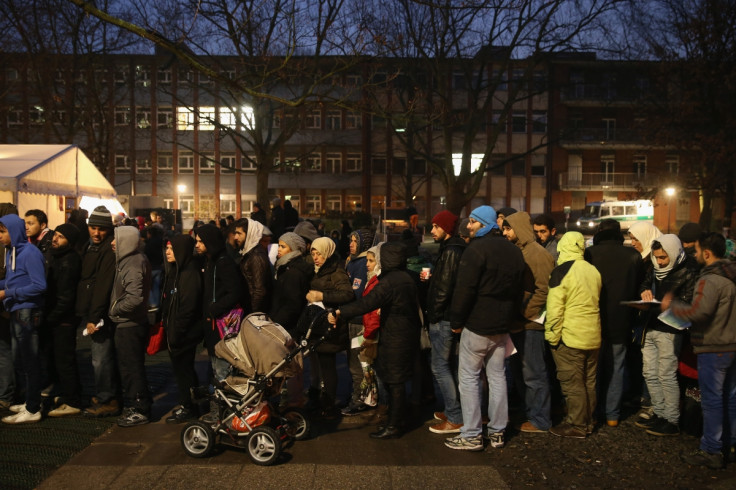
(254, 265)
(544, 229)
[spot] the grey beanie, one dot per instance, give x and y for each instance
(100, 217)
(294, 241)
(306, 230)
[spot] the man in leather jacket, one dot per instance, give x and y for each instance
(254, 265)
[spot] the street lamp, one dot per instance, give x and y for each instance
(670, 192)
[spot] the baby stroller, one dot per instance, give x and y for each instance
(263, 355)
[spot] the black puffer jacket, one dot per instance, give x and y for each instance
(181, 303)
(289, 295)
(64, 267)
(442, 282)
(680, 282)
(396, 296)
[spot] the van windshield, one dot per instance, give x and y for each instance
(592, 211)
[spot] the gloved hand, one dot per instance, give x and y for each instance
(368, 351)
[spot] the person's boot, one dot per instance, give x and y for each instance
(213, 416)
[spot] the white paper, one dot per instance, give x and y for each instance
(669, 319)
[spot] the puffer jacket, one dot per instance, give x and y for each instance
(442, 282)
(181, 302)
(680, 282)
(396, 296)
(539, 265)
(573, 314)
(712, 310)
(132, 285)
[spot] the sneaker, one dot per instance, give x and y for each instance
(612, 423)
(470, 444)
(497, 439)
(566, 430)
(531, 428)
(132, 417)
(17, 408)
(109, 409)
(354, 409)
(702, 458)
(446, 427)
(23, 417)
(645, 413)
(663, 427)
(4, 404)
(646, 423)
(46, 392)
(180, 415)
(64, 410)
(440, 416)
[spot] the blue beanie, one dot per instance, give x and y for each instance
(487, 216)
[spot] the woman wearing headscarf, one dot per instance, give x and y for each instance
(330, 286)
(642, 234)
(181, 311)
(396, 296)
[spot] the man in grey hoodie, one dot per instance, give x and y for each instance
(129, 312)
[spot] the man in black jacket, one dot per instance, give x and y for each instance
(64, 266)
(93, 304)
(620, 269)
(487, 298)
(444, 342)
(254, 265)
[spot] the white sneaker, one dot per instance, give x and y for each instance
(23, 417)
(64, 410)
(17, 408)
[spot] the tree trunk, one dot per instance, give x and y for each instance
(262, 197)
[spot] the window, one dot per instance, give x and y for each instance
(353, 80)
(227, 163)
(121, 164)
(314, 162)
(458, 80)
(334, 120)
(538, 164)
(313, 204)
(378, 122)
(498, 164)
(165, 117)
(164, 77)
(165, 162)
(206, 208)
(143, 165)
(501, 79)
(15, 117)
(420, 166)
(206, 118)
(142, 76)
(334, 203)
(539, 122)
(353, 120)
(640, 165)
(143, 117)
(36, 115)
(672, 164)
(207, 163)
(122, 116)
(498, 121)
(185, 76)
(378, 165)
(539, 81)
(518, 122)
(248, 162)
(608, 165)
(228, 204)
(121, 75)
(313, 119)
(518, 166)
(333, 162)
(353, 201)
(184, 119)
(354, 162)
(398, 166)
(186, 162)
(186, 204)
(609, 128)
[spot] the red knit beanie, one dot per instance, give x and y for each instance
(445, 220)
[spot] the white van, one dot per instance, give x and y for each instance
(625, 212)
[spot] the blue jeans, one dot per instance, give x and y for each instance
(104, 362)
(660, 361)
(24, 326)
(478, 352)
(611, 373)
(7, 371)
(154, 297)
(717, 378)
(536, 379)
(443, 344)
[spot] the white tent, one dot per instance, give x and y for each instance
(46, 176)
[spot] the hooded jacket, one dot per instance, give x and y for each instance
(25, 270)
(573, 313)
(132, 285)
(712, 310)
(442, 282)
(396, 296)
(355, 265)
(539, 265)
(5, 209)
(181, 302)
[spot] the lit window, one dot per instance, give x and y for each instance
(475, 160)
(314, 162)
(184, 119)
(206, 118)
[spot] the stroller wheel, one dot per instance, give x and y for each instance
(264, 446)
(297, 425)
(198, 439)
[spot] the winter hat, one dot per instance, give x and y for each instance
(462, 229)
(294, 241)
(100, 217)
(690, 232)
(445, 220)
(486, 215)
(506, 212)
(70, 232)
(325, 246)
(306, 230)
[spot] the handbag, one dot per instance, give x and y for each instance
(228, 325)
(156, 339)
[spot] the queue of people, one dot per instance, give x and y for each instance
(513, 317)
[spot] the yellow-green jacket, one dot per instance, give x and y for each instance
(573, 315)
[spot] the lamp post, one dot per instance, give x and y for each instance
(670, 191)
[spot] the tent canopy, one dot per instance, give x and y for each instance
(62, 170)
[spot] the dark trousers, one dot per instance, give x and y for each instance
(182, 362)
(65, 361)
(396, 404)
(130, 345)
(328, 370)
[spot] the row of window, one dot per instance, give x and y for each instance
(206, 207)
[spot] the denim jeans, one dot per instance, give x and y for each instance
(154, 297)
(611, 375)
(7, 371)
(478, 352)
(660, 360)
(537, 396)
(717, 378)
(576, 370)
(24, 326)
(104, 362)
(443, 346)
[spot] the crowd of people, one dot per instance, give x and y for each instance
(505, 317)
